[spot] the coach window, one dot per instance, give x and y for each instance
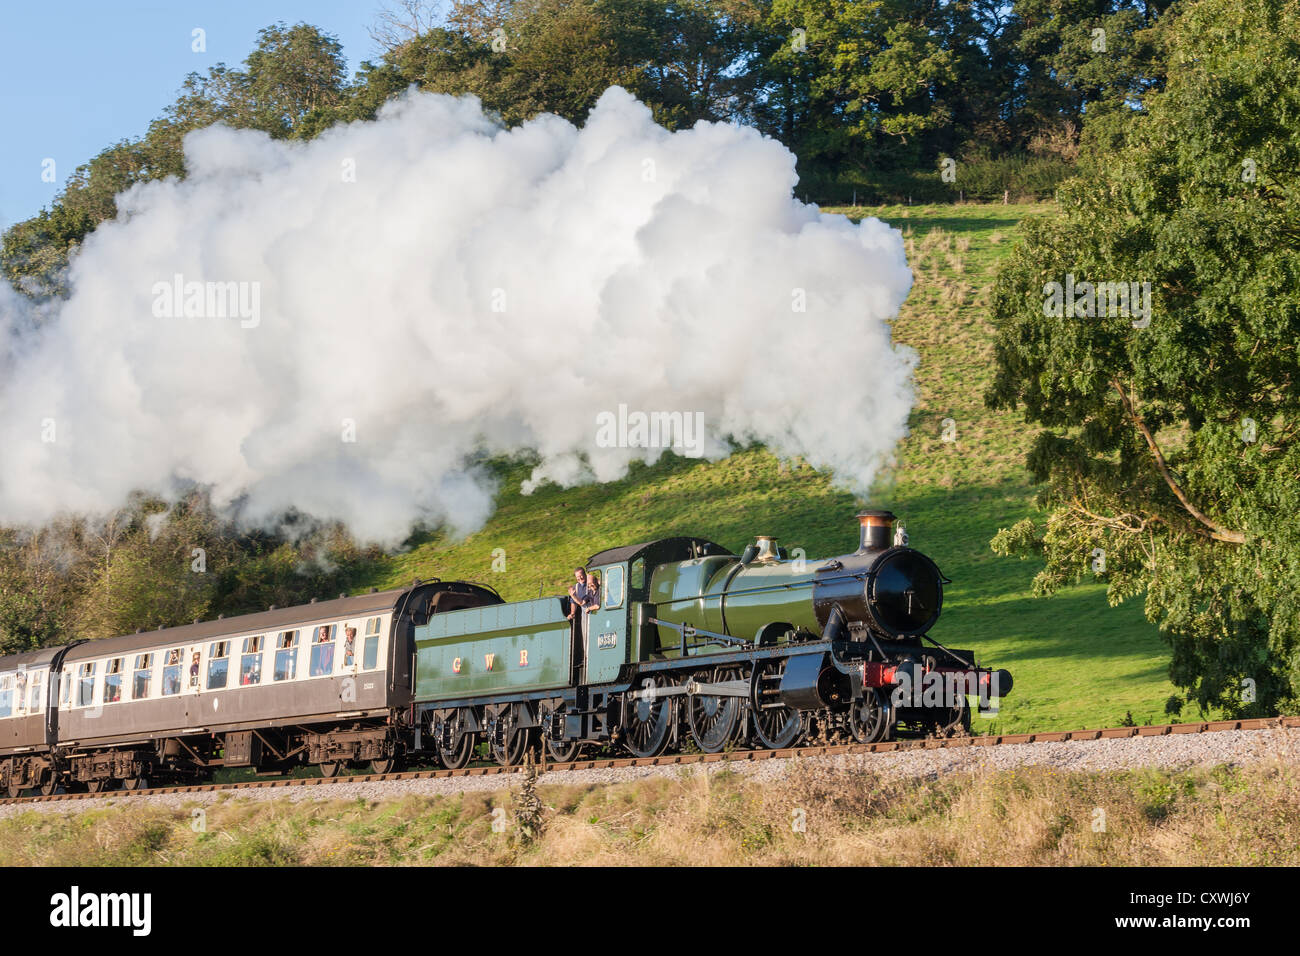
(218, 664)
(143, 673)
(85, 684)
(614, 586)
(171, 678)
(370, 657)
(322, 650)
(250, 663)
(38, 681)
(6, 695)
(286, 656)
(113, 681)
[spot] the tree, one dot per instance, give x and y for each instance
(854, 80)
(1169, 449)
(1078, 57)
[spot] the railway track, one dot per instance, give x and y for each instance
(668, 760)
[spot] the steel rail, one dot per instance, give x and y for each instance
(670, 760)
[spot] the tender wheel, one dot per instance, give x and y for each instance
(330, 769)
(776, 726)
(461, 751)
(713, 720)
(869, 718)
(649, 720)
(517, 744)
(561, 751)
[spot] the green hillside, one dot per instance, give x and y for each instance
(1076, 661)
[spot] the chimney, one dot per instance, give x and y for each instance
(876, 531)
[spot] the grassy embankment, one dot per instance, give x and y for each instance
(1076, 661)
(1220, 817)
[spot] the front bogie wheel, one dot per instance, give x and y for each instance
(869, 717)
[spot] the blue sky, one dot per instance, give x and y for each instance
(79, 76)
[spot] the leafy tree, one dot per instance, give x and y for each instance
(1170, 448)
(1077, 58)
(35, 605)
(703, 59)
(855, 79)
(292, 71)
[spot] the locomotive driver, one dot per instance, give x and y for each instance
(582, 597)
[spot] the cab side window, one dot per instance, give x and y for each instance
(614, 586)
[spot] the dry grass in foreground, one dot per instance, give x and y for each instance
(818, 816)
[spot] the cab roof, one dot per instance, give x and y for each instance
(660, 551)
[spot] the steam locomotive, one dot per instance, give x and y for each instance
(688, 645)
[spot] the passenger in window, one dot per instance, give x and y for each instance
(322, 655)
(579, 592)
(593, 580)
(194, 670)
(349, 646)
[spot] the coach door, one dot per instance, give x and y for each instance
(192, 677)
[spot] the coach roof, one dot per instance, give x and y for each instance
(285, 618)
(29, 660)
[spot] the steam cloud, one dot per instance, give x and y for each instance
(450, 288)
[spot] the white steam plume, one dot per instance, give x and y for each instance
(450, 287)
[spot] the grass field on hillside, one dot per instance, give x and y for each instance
(1077, 662)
